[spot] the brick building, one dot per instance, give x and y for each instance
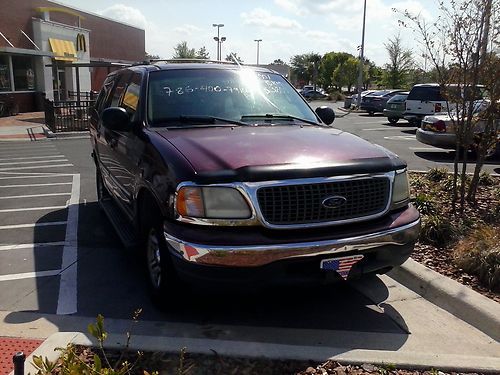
(44, 45)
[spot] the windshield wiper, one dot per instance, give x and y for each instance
(202, 120)
(280, 117)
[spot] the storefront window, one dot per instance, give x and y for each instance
(4, 74)
(24, 73)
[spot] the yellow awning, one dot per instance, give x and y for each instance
(64, 50)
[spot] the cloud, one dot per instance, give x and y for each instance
(292, 6)
(126, 14)
(187, 29)
(262, 17)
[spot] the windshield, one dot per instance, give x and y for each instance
(224, 93)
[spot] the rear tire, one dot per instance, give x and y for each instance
(371, 113)
(393, 120)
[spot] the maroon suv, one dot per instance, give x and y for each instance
(224, 173)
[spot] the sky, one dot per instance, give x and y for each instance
(286, 27)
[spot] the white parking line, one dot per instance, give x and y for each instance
(34, 195)
(34, 157)
(33, 225)
(427, 149)
(34, 162)
(32, 175)
(29, 275)
(68, 288)
(36, 166)
(377, 129)
(35, 185)
(33, 209)
(402, 137)
(30, 246)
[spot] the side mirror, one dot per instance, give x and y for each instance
(116, 118)
(326, 114)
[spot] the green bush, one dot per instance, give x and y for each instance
(479, 254)
(424, 204)
(437, 174)
(485, 179)
(437, 231)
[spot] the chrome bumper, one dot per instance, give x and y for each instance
(443, 140)
(259, 255)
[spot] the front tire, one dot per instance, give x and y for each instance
(162, 278)
(393, 120)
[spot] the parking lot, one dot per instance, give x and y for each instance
(60, 256)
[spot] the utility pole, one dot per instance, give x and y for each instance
(361, 58)
(258, 43)
(218, 39)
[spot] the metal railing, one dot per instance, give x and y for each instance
(68, 115)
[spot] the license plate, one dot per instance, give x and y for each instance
(394, 106)
(341, 265)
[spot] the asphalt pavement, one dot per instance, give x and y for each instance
(399, 138)
(61, 264)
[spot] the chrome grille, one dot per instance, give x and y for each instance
(302, 204)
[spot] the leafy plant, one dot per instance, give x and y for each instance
(438, 231)
(70, 362)
(437, 174)
(485, 179)
(425, 204)
(479, 254)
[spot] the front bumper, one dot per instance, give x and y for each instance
(233, 258)
(443, 140)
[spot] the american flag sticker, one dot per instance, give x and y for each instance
(341, 265)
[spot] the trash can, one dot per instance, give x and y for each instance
(347, 102)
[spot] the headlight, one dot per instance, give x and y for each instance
(212, 203)
(400, 188)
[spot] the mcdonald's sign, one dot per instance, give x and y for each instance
(81, 44)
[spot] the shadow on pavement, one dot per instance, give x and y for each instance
(449, 157)
(111, 282)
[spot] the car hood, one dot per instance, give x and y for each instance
(291, 151)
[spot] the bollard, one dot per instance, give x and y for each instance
(18, 360)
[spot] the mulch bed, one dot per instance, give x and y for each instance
(485, 210)
(203, 364)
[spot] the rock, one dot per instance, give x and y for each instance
(368, 367)
(310, 370)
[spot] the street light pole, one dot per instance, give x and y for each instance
(362, 57)
(258, 44)
(217, 38)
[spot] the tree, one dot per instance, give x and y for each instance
(182, 51)
(395, 74)
(148, 57)
(233, 56)
(305, 67)
(278, 62)
(330, 62)
(203, 54)
(457, 47)
(346, 74)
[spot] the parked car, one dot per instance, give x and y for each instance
(428, 99)
(314, 94)
(375, 102)
(395, 107)
(439, 130)
(216, 172)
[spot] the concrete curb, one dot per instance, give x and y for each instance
(76, 134)
(320, 354)
(459, 300)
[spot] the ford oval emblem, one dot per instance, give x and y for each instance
(334, 202)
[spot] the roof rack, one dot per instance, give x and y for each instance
(179, 61)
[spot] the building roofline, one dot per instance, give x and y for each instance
(95, 14)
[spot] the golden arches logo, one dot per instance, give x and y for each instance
(81, 44)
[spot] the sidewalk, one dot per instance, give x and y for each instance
(24, 126)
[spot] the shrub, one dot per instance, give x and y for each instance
(479, 254)
(485, 179)
(437, 174)
(424, 204)
(437, 231)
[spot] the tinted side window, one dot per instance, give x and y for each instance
(119, 89)
(104, 93)
(131, 97)
(425, 93)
